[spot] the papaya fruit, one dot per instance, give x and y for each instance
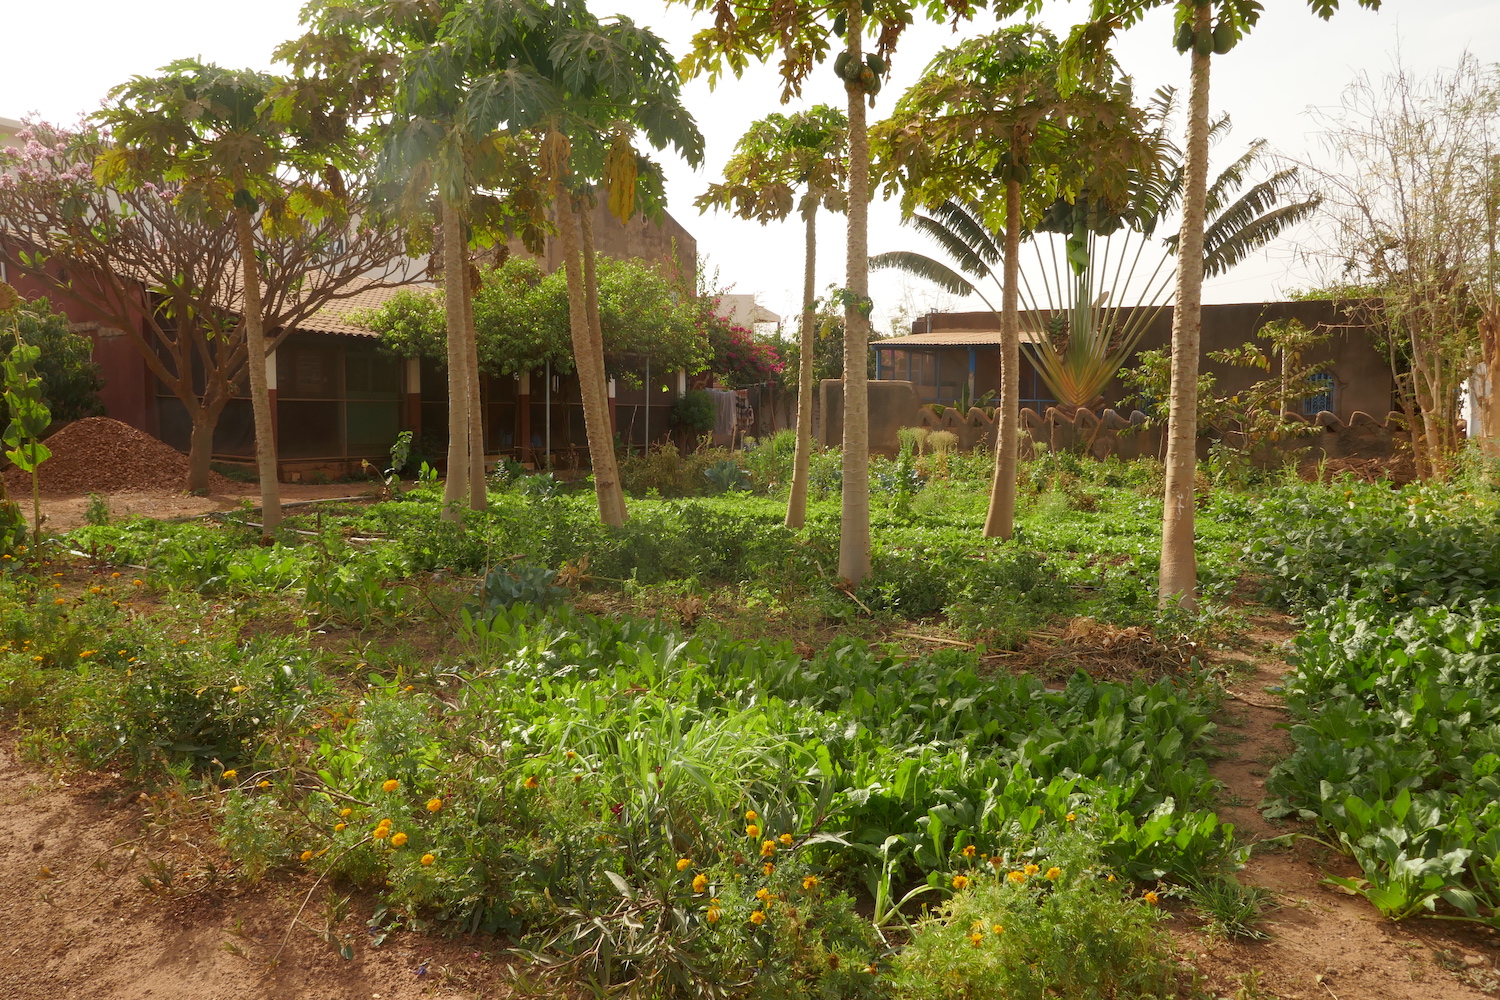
(841, 64)
(1203, 42)
(1184, 40)
(868, 6)
(1223, 37)
(841, 24)
(876, 64)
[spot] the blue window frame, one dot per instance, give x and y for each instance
(1313, 405)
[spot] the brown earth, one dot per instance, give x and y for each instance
(102, 455)
(1322, 943)
(109, 896)
(64, 510)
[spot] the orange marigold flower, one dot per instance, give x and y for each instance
(1111, 878)
(768, 848)
(758, 917)
(307, 855)
(960, 881)
(265, 784)
(1071, 817)
(751, 816)
(997, 929)
(768, 868)
(811, 882)
(1017, 877)
(976, 939)
(713, 914)
(398, 839)
(700, 882)
(1151, 898)
(390, 785)
(1033, 869)
(752, 831)
(340, 827)
(381, 832)
(346, 811)
(683, 864)
(786, 839)
(433, 805)
(531, 781)
(1054, 873)
(386, 822)
(969, 851)
(428, 859)
(231, 773)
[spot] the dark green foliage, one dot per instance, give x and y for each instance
(694, 412)
(70, 379)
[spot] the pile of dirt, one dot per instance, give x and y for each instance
(1397, 469)
(105, 456)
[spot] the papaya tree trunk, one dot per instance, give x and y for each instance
(454, 487)
(1000, 521)
(854, 519)
(596, 346)
(260, 397)
(1179, 564)
(796, 502)
(478, 495)
(590, 374)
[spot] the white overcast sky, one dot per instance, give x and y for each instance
(1291, 62)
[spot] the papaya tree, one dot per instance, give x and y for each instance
(1202, 29)
(988, 123)
(802, 36)
(778, 157)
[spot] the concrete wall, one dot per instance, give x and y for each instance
(893, 405)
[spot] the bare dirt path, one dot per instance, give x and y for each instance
(1323, 943)
(65, 511)
(87, 916)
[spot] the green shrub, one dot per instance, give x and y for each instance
(1075, 935)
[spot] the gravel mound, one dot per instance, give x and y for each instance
(101, 455)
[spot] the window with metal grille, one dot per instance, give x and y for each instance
(1313, 405)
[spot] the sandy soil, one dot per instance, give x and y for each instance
(87, 915)
(64, 511)
(1323, 943)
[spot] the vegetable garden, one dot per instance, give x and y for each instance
(678, 758)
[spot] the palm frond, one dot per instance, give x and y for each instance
(1220, 256)
(1231, 179)
(958, 248)
(966, 220)
(922, 266)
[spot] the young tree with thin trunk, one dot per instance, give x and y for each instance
(776, 157)
(988, 124)
(145, 256)
(1200, 35)
(803, 35)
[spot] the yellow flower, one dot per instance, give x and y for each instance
(683, 864)
(997, 929)
(751, 816)
(1033, 869)
(390, 785)
(752, 831)
(768, 848)
(700, 882)
(976, 939)
(346, 811)
(1016, 876)
(811, 882)
(571, 755)
(713, 914)
(237, 689)
(960, 881)
(969, 851)
(433, 805)
(307, 855)
(61, 600)
(139, 583)
(428, 859)
(758, 917)
(386, 822)
(786, 839)
(1072, 817)
(1151, 898)
(37, 659)
(411, 687)
(381, 832)
(339, 827)
(95, 590)
(1111, 878)
(265, 784)
(231, 773)
(1054, 873)
(114, 576)
(531, 781)
(762, 894)
(768, 868)
(398, 840)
